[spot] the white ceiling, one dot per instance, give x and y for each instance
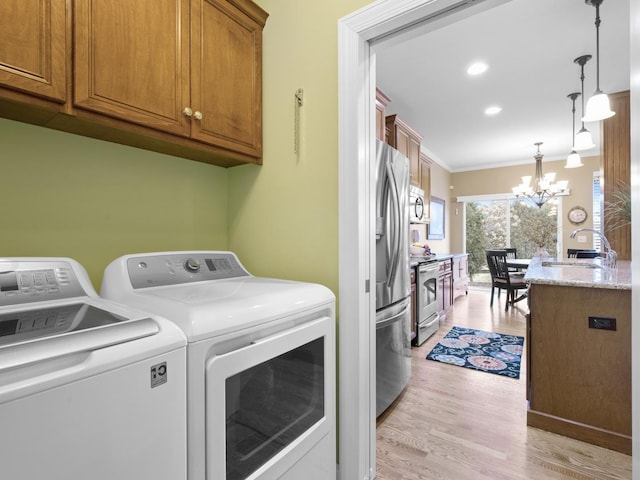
(530, 47)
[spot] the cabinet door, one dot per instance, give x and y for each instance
(227, 74)
(408, 146)
(33, 47)
(616, 165)
(425, 183)
(381, 104)
(132, 61)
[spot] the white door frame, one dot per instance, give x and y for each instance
(382, 23)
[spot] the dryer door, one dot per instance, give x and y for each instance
(266, 404)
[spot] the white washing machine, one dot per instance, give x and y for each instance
(261, 362)
(89, 389)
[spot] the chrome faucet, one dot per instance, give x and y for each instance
(610, 256)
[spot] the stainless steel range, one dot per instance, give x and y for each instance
(427, 317)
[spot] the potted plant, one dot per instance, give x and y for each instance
(618, 210)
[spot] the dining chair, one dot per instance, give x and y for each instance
(581, 253)
(502, 279)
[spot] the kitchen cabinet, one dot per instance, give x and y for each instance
(445, 286)
(413, 304)
(33, 49)
(406, 140)
(425, 183)
(616, 167)
(579, 363)
(381, 104)
(188, 67)
(182, 77)
(460, 276)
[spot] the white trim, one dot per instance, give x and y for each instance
(357, 305)
(487, 197)
(381, 22)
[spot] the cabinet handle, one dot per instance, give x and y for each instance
(187, 112)
(197, 115)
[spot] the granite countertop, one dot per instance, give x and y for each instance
(417, 260)
(443, 256)
(568, 272)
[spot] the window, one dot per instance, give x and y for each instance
(597, 209)
(502, 221)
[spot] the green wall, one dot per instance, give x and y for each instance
(283, 216)
(72, 196)
(93, 201)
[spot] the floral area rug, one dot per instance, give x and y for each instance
(480, 350)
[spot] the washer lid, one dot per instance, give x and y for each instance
(25, 325)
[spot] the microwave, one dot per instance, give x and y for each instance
(416, 205)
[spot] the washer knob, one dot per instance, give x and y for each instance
(192, 265)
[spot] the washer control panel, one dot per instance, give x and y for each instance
(26, 283)
(174, 269)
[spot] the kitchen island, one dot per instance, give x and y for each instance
(579, 350)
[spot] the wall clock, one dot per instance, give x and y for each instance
(577, 215)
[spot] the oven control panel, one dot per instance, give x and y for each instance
(24, 282)
(173, 269)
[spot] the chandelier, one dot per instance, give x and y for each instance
(543, 187)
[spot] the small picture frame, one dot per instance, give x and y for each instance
(436, 220)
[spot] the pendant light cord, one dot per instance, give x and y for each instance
(582, 94)
(597, 46)
(573, 125)
(582, 62)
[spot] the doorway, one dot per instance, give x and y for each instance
(393, 21)
(385, 21)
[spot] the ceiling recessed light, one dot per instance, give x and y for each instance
(477, 68)
(492, 110)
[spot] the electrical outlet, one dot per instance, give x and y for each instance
(582, 238)
(602, 323)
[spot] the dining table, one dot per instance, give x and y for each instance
(519, 263)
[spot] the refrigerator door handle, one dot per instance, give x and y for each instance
(396, 226)
(394, 318)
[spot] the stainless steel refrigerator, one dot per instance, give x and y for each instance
(393, 290)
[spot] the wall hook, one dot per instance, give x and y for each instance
(299, 101)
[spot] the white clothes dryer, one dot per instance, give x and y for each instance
(261, 362)
(89, 389)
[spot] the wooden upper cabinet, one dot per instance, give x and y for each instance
(381, 104)
(226, 80)
(616, 168)
(33, 47)
(425, 183)
(132, 61)
(406, 140)
(189, 67)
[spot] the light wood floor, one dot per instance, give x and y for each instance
(454, 423)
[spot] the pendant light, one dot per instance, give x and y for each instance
(583, 140)
(573, 160)
(543, 187)
(598, 107)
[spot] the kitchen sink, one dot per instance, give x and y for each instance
(571, 265)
